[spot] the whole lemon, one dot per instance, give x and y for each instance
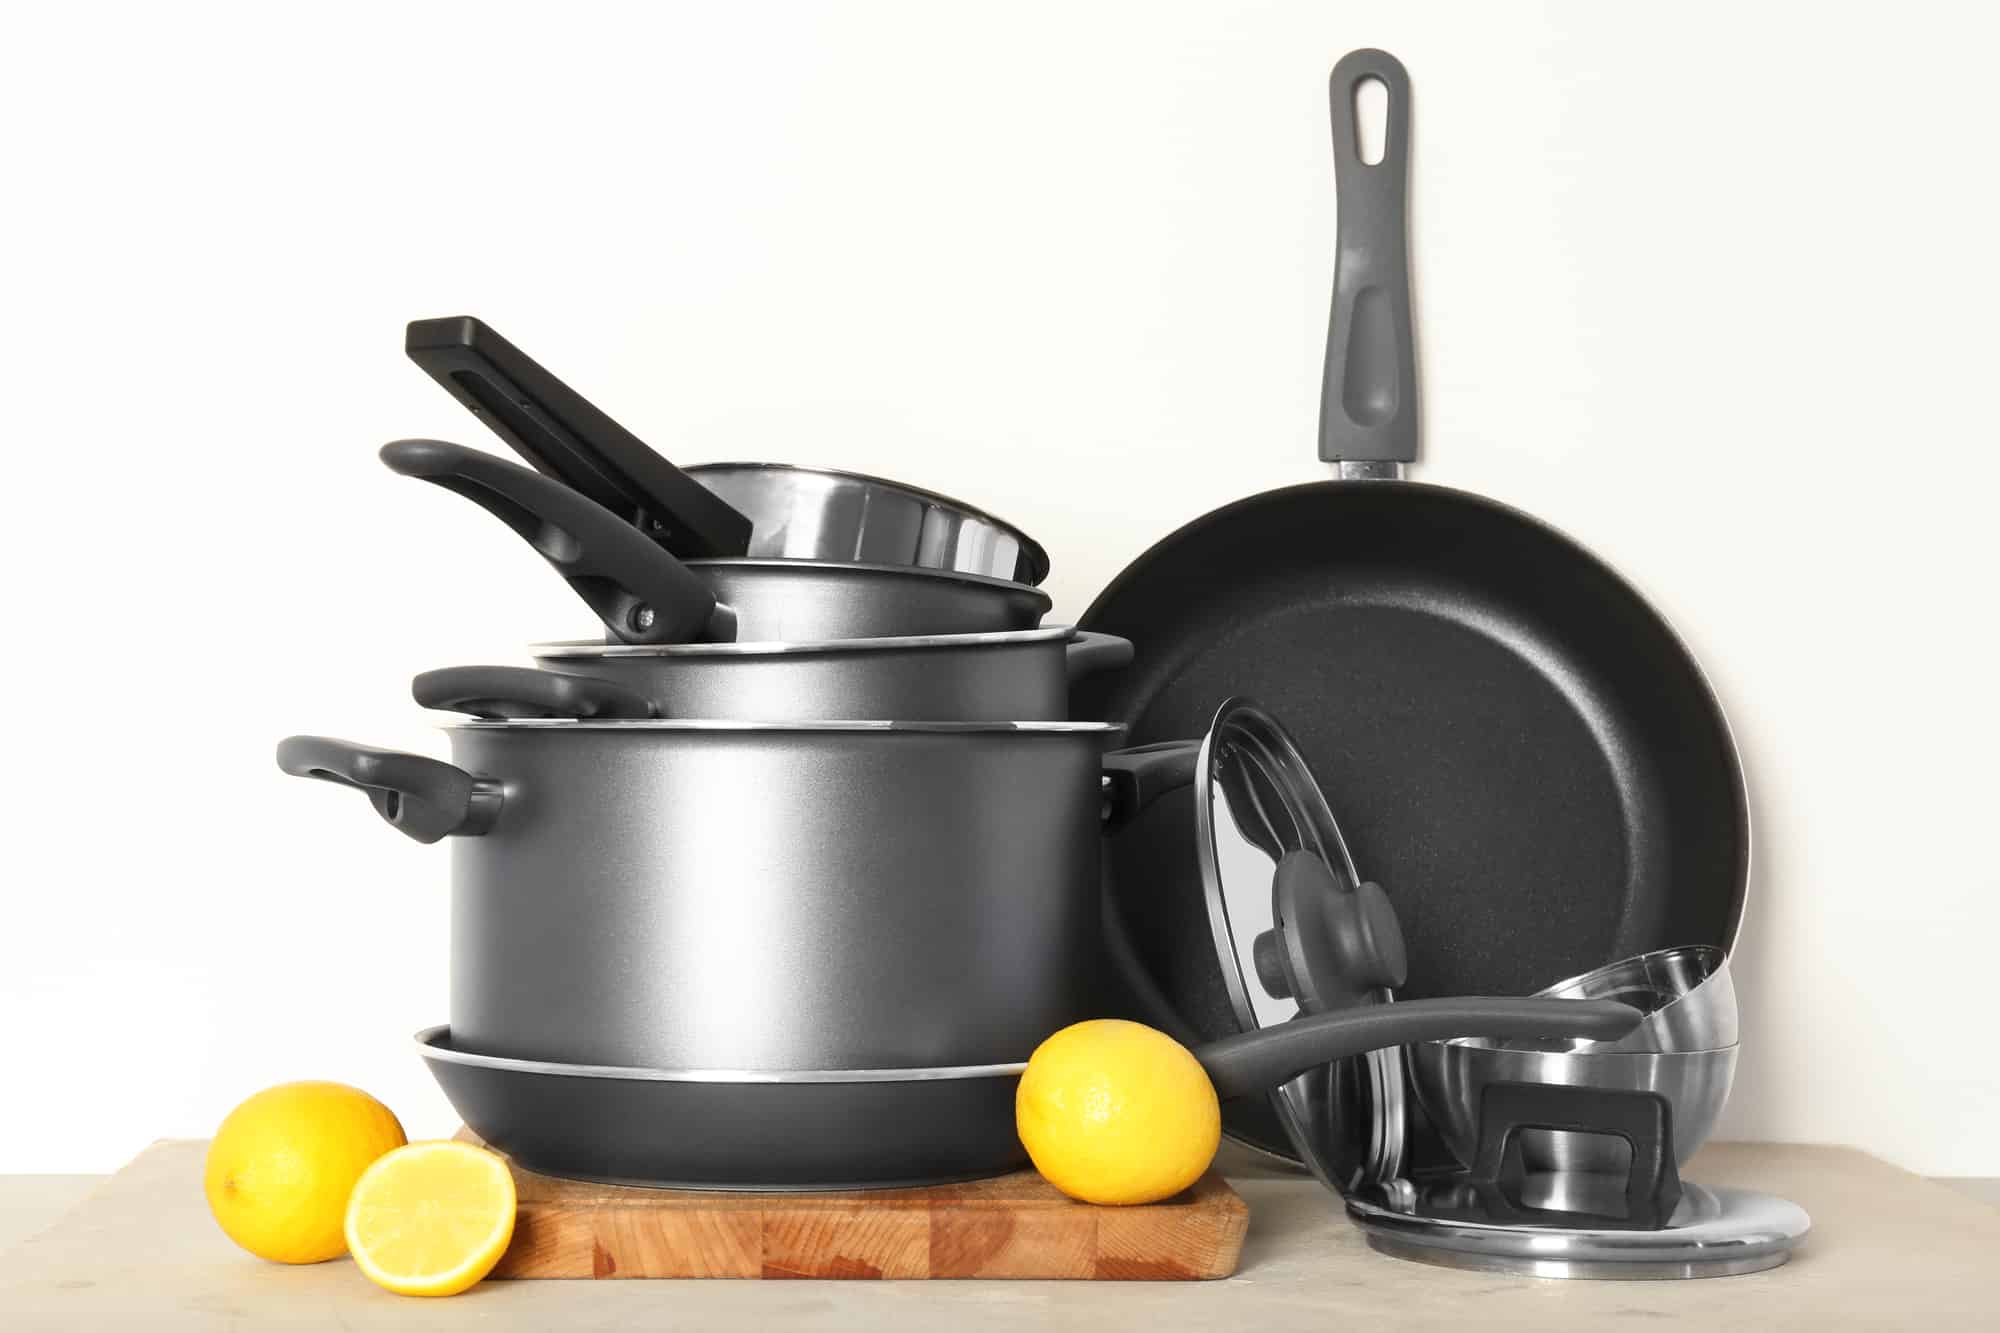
(283, 1163)
(1117, 1112)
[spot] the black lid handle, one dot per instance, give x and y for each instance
(641, 593)
(1368, 398)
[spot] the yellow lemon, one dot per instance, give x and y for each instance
(431, 1219)
(282, 1164)
(1117, 1112)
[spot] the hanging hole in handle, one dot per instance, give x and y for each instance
(392, 805)
(1371, 120)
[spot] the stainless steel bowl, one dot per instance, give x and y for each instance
(1451, 1079)
(1686, 994)
(805, 513)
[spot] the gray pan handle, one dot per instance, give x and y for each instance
(1136, 777)
(1253, 1061)
(425, 798)
(640, 592)
(1087, 654)
(513, 692)
(1368, 398)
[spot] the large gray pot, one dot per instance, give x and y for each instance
(756, 896)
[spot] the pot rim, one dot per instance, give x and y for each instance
(772, 562)
(591, 649)
(429, 1038)
(857, 726)
(1491, 1046)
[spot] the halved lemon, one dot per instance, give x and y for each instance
(431, 1219)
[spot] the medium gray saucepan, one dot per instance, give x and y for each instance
(760, 896)
(643, 594)
(1019, 676)
(869, 1128)
(761, 510)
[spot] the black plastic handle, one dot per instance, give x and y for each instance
(1136, 777)
(1253, 1061)
(1368, 398)
(513, 692)
(1086, 654)
(426, 798)
(565, 435)
(640, 592)
(1645, 1120)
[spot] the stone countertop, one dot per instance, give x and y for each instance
(1888, 1249)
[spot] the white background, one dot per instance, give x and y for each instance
(1713, 288)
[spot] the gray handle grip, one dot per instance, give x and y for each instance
(1253, 1061)
(641, 593)
(1368, 398)
(1136, 777)
(511, 691)
(1086, 654)
(425, 798)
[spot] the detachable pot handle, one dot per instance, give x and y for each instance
(1136, 777)
(1087, 654)
(1508, 1112)
(517, 692)
(1368, 399)
(1253, 1061)
(640, 592)
(425, 798)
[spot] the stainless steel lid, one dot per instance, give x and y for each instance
(1714, 1232)
(1262, 820)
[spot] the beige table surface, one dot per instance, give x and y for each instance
(1888, 1250)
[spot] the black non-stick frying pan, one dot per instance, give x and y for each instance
(1520, 749)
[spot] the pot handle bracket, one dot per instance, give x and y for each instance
(1136, 777)
(424, 798)
(1643, 1119)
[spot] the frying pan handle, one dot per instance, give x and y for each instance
(1086, 653)
(1253, 1061)
(1368, 398)
(426, 798)
(510, 691)
(641, 593)
(565, 435)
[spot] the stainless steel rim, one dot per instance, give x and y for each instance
(1038, 558)
(429, 1045)
(864, 726)
(593, 649)
(843, 568)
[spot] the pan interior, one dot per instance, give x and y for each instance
(1523, 754)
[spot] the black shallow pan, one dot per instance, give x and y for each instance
(1520, 749)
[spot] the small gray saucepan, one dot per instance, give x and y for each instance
(875, 1128)
(1018, 676)
(643, 594)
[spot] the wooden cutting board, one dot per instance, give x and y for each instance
(1014, 1226)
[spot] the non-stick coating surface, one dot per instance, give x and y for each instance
(1517, 747)
(740, 1136)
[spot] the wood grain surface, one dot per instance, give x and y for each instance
(1014, 1226)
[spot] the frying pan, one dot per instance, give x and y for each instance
(1524, 753)
(874, 1128)
(645, 595)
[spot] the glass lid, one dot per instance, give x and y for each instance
(1297, 931)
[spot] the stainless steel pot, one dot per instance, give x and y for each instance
(756, 895)
(643, 594)
(1019, 676)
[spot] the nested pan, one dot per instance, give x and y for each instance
(1019, 677)
(643, 594)
(1522, 749)
(762, 510)
(875, 1128)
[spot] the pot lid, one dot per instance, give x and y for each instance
(1297, 931)
(1713, 1232)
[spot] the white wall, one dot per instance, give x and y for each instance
(1711, 287)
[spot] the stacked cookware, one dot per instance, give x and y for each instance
(777, 882)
